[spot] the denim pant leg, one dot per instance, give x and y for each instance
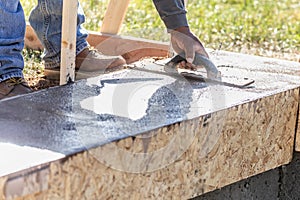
(46, 19)
(12, 31)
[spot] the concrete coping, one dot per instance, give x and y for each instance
(54, 124)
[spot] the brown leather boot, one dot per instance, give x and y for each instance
(13, 87)
(89, 63)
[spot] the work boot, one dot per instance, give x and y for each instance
(13, 87)
(89, 63)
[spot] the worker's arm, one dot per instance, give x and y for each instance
(173, 14)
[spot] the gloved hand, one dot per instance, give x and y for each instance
(183, 40)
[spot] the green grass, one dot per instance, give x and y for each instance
(234, 25)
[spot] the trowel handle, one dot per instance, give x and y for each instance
(212, 71)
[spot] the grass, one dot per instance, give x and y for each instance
(267, 28)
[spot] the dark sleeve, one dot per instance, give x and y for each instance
(172, 12)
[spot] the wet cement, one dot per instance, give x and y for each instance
(92, 112)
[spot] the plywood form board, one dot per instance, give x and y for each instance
(270, 74)
(224, 147)
(297, 141)
(132, 49)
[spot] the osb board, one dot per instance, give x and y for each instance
(132, 49)
(297, 142)
(223, 148)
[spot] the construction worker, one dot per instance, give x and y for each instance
(46, 19)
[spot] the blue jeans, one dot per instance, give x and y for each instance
(46, 19)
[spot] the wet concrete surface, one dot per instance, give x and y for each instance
(92, 112)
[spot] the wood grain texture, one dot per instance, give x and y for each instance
(114, 16)
(68, 41)
(228, 146)
(297, 142)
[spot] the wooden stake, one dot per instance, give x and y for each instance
(114, 16)
(68, 42)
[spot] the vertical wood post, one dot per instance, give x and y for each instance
(68, 41)
(114, 16)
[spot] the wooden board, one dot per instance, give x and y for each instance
(132, 49)
(297, 141)
(114, 16)
(68, 42)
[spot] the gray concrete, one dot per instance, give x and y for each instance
(282, 183)
(290, 180)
